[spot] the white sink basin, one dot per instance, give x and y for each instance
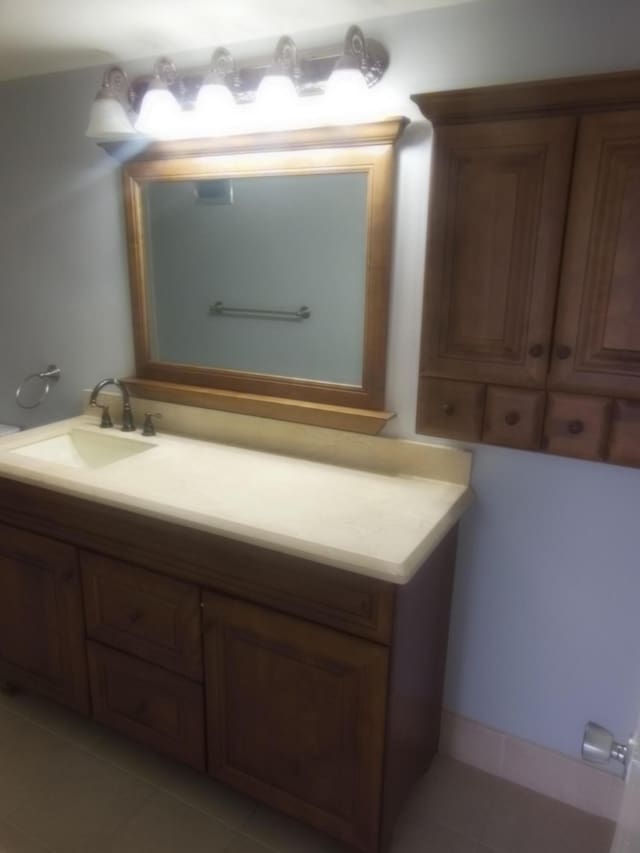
(81, 449)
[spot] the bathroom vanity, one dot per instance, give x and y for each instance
(293, 647)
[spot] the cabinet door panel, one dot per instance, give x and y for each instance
(597, 341)
(296, 716)
(498, 203)
(41, 621)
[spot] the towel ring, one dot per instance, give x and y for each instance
(48, 376)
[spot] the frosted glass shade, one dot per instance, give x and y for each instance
(214, 108)
(276, 92)
(160, 114)
(108, 119)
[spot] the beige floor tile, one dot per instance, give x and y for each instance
(244, 844)
(433, 838)
(24, 757)
(81, 800)
(194, 788)
(454, 795)
(281, 833)
(13, 841)
(522, 821)
(166, 825)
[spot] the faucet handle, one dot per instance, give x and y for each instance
(149, 428)
(105, 419)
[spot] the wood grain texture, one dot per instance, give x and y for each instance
(296, 713)
(624, 441)
(349, 602)
(369, 150)
(513, 417)
(41, 619)
(450, 408)
(536, 98)
(366, 421)
(496, 215)
(143, 613)
(577, 425)
(417, 666)
(148, 703)
(597, 337)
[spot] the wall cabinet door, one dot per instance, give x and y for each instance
(498, 203)
(41, 620)
(296, 716)
(597, 340)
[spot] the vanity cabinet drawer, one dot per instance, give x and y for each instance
(450, 408)
(147, 703)
(513, 417)
(576, 425)
(142, 613)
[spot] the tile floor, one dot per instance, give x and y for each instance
(70, 786)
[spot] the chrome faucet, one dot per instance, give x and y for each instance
(127, 414)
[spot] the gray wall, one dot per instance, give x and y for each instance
(63, 296)
(544, 624)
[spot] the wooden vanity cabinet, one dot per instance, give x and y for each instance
(41, 618)
(532, 286)
(314, 690)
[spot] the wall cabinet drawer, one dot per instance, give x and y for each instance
(145, 702)
(624, 442)
(145, 614)
(577, 426)
(450, 408)
(513, 417)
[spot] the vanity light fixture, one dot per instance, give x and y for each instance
(277, 89)
(225, 99)
(160, 113)
(111, 114)
(215, 103)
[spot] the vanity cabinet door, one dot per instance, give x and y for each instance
(296, 716)
(597, 340)
(41, 619)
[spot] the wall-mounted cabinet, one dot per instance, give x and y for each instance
(531, 325)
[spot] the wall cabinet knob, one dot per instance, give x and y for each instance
(563, 351)
(448, 408)
(536, 350)
(512, 418)
(575, 427)
(135, 616)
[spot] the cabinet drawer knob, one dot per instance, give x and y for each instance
(512, 418)
(448, 408)
(563, 351)
(536, 350)
(135, 616)
(575, 427)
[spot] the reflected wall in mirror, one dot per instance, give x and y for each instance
(260, 272)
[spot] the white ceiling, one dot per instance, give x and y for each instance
(42, 36)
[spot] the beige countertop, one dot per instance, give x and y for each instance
(380, 519)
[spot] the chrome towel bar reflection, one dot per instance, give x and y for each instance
(219, 308)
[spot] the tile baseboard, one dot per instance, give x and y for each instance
(551, 773)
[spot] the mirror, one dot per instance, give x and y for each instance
(259, 272)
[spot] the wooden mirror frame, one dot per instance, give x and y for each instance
(367, 148)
